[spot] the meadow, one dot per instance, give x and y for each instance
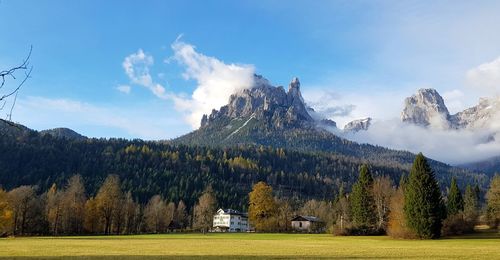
(248, 246)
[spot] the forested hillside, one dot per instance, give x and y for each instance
(183, 172)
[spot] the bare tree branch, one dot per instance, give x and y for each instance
(11, 73)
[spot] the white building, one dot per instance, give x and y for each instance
(229, 220)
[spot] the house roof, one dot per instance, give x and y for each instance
(232, 212)
(306, 218)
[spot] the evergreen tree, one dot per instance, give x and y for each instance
(362, 203)
(423, 208)
(471, 203)
(455, 202)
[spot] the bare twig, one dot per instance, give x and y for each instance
(10, 72)
(12, 107)
(25, 66)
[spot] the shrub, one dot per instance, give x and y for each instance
(456, 225)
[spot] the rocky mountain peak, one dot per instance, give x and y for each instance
(425, 108)
(358, 125)
(265, 102)
(480, 116)
(294, 94)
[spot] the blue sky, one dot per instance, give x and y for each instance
(367, 55)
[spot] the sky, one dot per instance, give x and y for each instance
(150, 69)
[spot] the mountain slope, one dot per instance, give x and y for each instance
(270, 116)
(62, 132)
(490, 166)
(427, 108)
(179, 172)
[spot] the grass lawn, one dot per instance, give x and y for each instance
(485, 245)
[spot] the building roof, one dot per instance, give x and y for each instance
(231, 212)
(306, 218)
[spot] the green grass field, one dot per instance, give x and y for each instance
(248, 246)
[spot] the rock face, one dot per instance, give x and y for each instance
(264, 101)
(426, 108)
(481, 116)
(358, 125)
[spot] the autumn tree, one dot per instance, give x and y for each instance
(262, 210)
(119, 216)
(493, 201)
(397, 226)
(285, 214)
(107, 201)
(23, 202)
(383, 191)
(423, 208)
(5, 213)
(53, 209)
(181, 215)
(92, 216)
(73, 205)
(362, 203)
(170, 214)
(155, 214)
(204, 210)
(131, 212)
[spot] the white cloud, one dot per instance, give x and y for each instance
(451, 146)
(216, 81)
(351, 105)
(124, 88)
(134, 121)
(486, 76)
(137, 66)
(454, 100)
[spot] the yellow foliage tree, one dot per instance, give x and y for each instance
(397, 226)
(262, 211)
(5, 213)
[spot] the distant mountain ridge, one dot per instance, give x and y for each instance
(269, 116)
(427, 108)
(62, 132)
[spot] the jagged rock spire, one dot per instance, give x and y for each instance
(267, 102)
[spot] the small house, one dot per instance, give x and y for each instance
(230, 220)
(307, 224)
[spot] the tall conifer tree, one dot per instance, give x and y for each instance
(424, 209)
(362, 203)
(455, 202)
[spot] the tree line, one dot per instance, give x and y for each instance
(179, 172)
(413, 209)
(68, 210)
